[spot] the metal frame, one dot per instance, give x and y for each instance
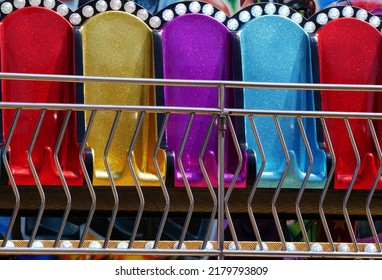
(220, 248)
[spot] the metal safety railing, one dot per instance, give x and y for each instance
(219, 205)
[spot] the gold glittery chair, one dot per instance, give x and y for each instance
(116, 42)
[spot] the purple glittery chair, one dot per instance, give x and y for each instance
(192, 43)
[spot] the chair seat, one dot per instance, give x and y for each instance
(273, 48)
(338, 41)
(197, 47)
(37, 40)
(119, 44)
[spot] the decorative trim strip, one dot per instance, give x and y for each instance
(8, 7)
(95, 7)
(324, 16)
(158, 20)
(186, 7)
(263, 9)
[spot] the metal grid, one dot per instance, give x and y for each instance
(221, 213)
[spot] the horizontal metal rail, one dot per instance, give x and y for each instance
(188, 110)
(303, 114)
(191, 83)
(222, 122)
(114, 108)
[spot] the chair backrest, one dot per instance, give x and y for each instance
(195, 45)
(350, 53)
(119, 44)
(40, 41)
(273, 47)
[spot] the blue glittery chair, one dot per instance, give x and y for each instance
(272, 47)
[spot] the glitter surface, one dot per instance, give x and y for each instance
(196, 47)
(350, 53)
(117, 44)
(275, 49)
(38, 40)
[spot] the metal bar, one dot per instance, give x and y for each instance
(108, 251)
(167, 249)
(327, 184)
(88, 180)
(209, 184)
(279, 185)
(256, 183)
(136, 181)
(186, 184)
(172, 252)
(240, 157)
(180, 82)
(304, 183)
(303, 114)
(188, 110)
(232, 184)
(352, 182)
(189, 252)
(113, 187)
(11, 178)
(166, 209)
(62, 178)
(303, 254)
(113, 108)
(221, 144)
(374, 187)
(37, 180)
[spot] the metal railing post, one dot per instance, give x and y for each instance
(222, 125)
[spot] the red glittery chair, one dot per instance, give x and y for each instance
(349, 49)
(38, 40)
